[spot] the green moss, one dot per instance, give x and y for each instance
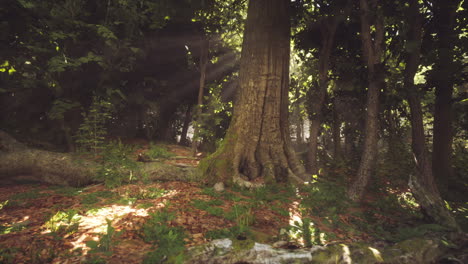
(417, 250)
(330, 254)
(242, 245)
(217, 167)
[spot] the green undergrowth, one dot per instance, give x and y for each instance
(157, 151)
(169, 244)
(116, 165)
(106, 242)
(63, 223)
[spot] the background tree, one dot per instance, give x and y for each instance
(422, 184)
(373, 48)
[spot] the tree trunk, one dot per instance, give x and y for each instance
(313, 145)
(443, 76)
(204, 48)
(20, 163)
(422, 184)
(257, 146)
(337, 153)
(372, 49)
(188, 117)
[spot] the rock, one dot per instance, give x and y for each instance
(416, 250)
(219, 187)
(280, 244)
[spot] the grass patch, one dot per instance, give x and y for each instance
(92, 198)
(34, 194)
(67, 191)
(209, 206)
(158, 152)
(169, 241)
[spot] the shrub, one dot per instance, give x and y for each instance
(116, 166)
(169, 240)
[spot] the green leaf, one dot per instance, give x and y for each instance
(92, 244)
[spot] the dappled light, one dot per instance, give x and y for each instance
(234, 131)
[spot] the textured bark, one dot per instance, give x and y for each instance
(422, 184)
(204, 48)
(313, 145)
(444, 68)
(372, 49)
(257, 146)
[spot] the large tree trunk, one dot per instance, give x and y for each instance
(422, 184)
(443, 76)
(372, 48)
(20, 163)
(257, 146)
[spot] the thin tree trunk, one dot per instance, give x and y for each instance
(257, 147)
(188, 117)
(444, 16)
(328, 31)
(373, 48)
(313, 146)
(422, 184)
(204, 47)
(337, 152)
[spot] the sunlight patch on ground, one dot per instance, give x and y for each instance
(96, 221)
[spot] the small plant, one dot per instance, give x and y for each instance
(116, 165)
(92, 131)
(208, 206)
(106, 241)
(169, 240)
(63, 222)
(4, 229)
(243, 217)
(4, 204)
(158, 152)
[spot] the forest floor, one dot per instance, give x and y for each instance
(50, 224)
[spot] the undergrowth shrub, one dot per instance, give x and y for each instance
(106, 241)
(63, 223)
(116, 165)
(92, 131)
(169, 241)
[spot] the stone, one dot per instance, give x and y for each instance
(219, 187)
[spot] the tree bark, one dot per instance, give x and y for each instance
(422, 184)
(444, 68)
(372, 49)
(328, 31)
(337, 150)
(204, 48)
(257, 147)
(20, 163)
